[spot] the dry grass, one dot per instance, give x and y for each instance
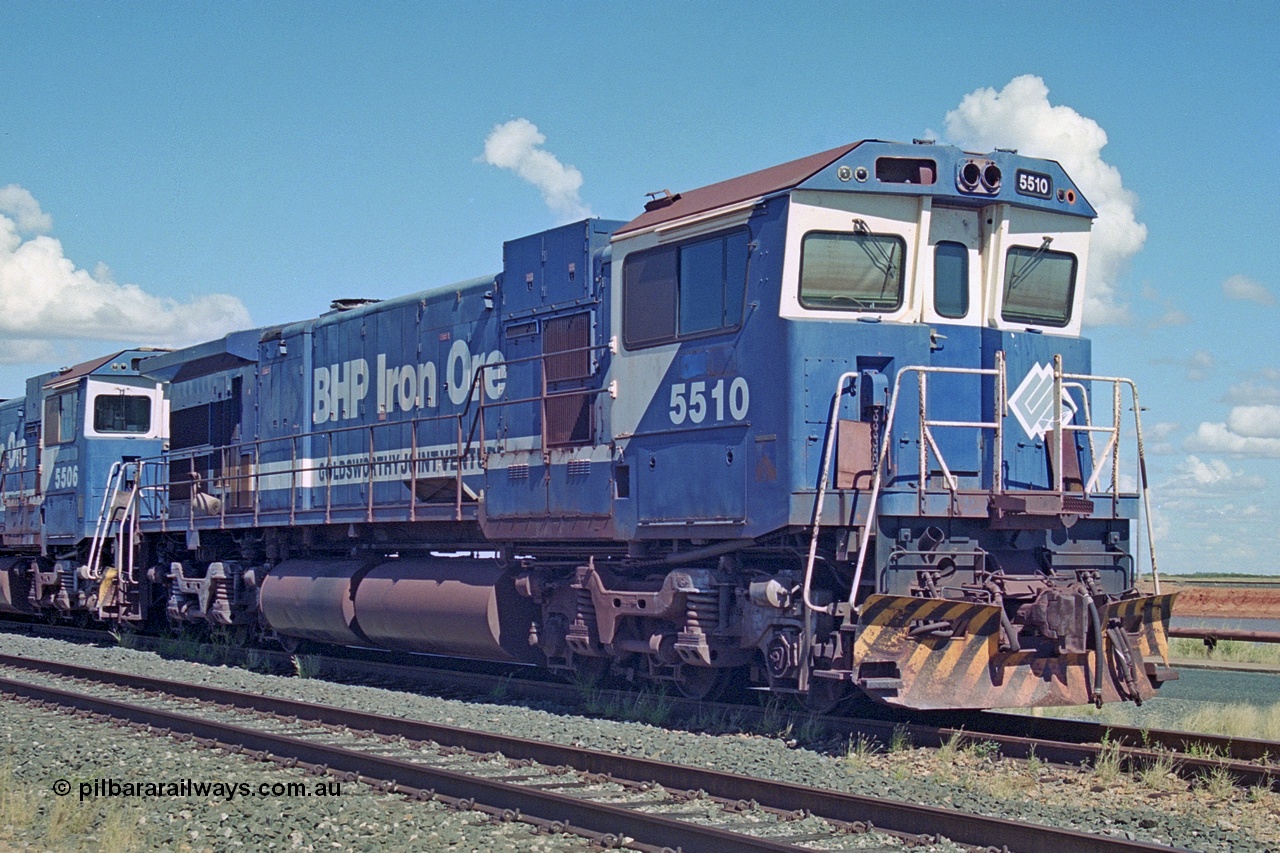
(17, 803)
(1239, 719)
(859, 751)
(1218, 783)
(67, 821)
(30, 815)
(1233, 651)
(1160, 773)
(1234, 720)
(901, 740)
(1106, 767)
(967, 762)
(948, 752)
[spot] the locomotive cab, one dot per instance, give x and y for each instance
(85, 428)
(904, 388)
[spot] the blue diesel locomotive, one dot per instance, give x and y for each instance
(827, 427)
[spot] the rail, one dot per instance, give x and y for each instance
(898, 817)
(927, 444)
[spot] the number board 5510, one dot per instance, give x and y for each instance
(699, 402)
(1034, 184)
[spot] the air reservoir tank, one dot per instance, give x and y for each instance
(460, 607)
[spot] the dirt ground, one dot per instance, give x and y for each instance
(1223, 601)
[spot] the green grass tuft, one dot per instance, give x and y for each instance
(1226, 651)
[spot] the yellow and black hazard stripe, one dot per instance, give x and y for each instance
(967, 669)
(933, 668)
(1147, 618)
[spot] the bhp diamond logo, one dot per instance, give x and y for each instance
(1032, 402)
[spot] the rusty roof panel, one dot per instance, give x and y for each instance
(757, 184)
(84, 368)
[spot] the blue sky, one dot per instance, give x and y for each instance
(169, 171)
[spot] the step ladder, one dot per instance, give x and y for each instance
(115, 524)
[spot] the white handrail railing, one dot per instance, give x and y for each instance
(928, 443)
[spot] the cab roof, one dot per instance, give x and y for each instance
(764, 182)
(919, 168)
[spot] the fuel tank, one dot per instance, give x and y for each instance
(448, 606)
(314, 599)
(461, 607)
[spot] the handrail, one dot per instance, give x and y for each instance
(927, 442)
(1143, 482)
(996, 480)
(827, 449)
(468, 430)
(114, 474)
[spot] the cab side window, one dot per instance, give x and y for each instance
(684, 290)
(60, 419)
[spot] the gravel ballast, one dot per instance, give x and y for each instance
(247, 805)
(1155, 806)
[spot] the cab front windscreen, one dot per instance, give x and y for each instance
(122, 413)
(851, 272)
(1039, 286)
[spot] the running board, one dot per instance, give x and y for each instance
(1032, 510)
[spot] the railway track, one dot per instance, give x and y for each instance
(1249, 762)
(613, 800)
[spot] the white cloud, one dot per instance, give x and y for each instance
(1170, 314)
(1252, 430)
(1020, 116)
(1255, 421)
(1196, 478)
(1220, 438)
(1215, 471)
(1157, 437)
(1170, 317)
(23, 207)
(45, 297)
(24, 351)
(1246, 289)
(515, 145)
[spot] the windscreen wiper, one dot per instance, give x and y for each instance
(1017, 277)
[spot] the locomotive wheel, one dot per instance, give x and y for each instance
(703, 682)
